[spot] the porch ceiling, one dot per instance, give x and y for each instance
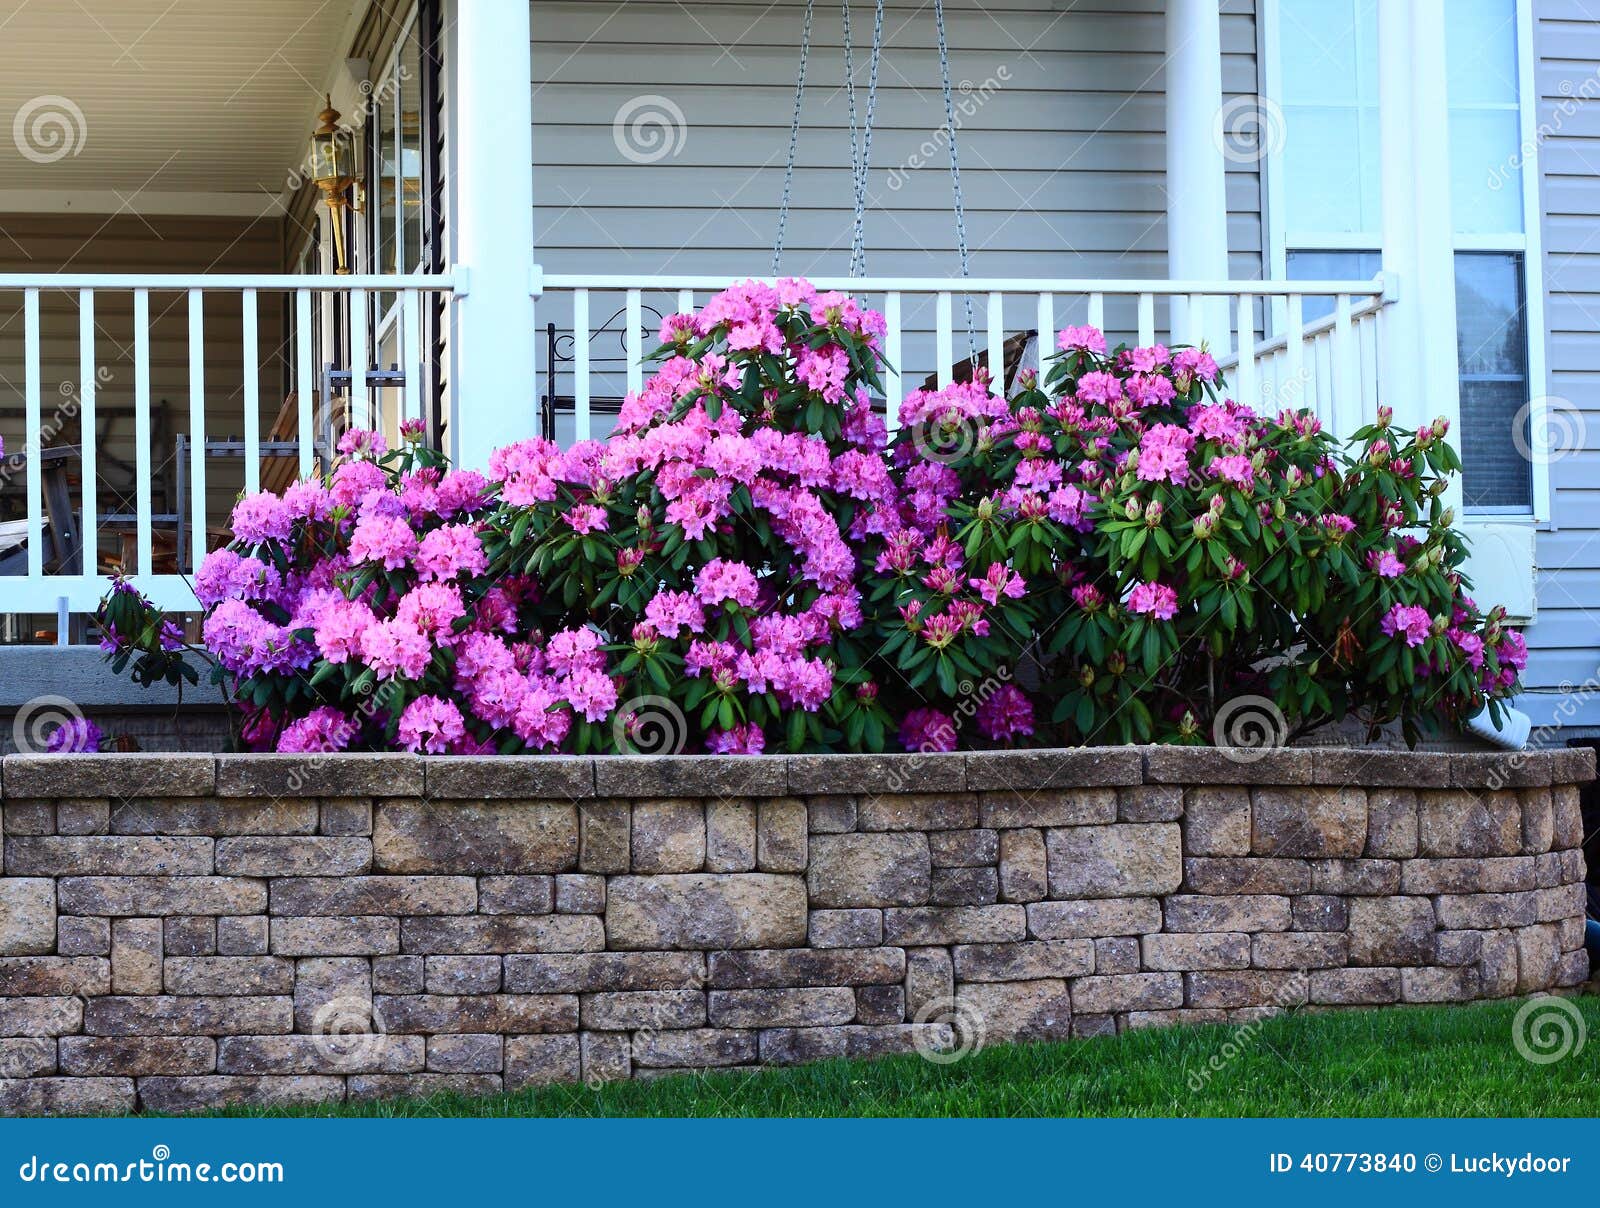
(161, 96)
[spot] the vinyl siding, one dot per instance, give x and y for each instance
(128, 244)
(1565, 639)
(1062, 153)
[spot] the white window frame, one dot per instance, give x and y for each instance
(1529, 243)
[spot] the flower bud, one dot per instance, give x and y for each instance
(1152, 514)
(1385, 416)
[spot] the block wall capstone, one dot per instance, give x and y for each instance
(179, 932)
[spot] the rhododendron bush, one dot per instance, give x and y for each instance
(1118, 553)
(1175, 556)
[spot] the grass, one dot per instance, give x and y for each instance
(1406, 1061)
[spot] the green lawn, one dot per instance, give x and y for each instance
(1446, 1061)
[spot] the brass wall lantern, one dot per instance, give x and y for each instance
(333, 170)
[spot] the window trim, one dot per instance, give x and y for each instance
(1529, 242)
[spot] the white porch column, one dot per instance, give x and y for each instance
(1420, 376)
(492, 399)
(1197, 197)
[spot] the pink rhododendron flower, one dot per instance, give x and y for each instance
(1408, 621)
(1386, 564)
(324, 729)
(1081, 339)
(722, 581)
(1164, 454)
(745, 739)
(449, 552)
(261, 517)
(386, 540)
(1005, 714)
(1153, 599)
(1235, 469)
(396, 648)
(430, 725)
(928, 731)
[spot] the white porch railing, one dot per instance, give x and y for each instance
(37, 590)
(1330, 364)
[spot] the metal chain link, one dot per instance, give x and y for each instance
(858, 247)
(855, 152)
(955, 170)
(794, 139)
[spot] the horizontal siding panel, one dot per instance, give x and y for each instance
(1063, 163)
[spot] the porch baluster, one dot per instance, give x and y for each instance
(359, 412)
(411, 352)
(632, 344)
(892, 351)
(1292, 393)
(252, 392)
(143, 494)
(944, 354)
(997, 344)
(197, 429)
(580, 364)
(1343, 356)
(88, 380)
(1045, 321)
(34, 440)
(1247, 352)
(305, 424)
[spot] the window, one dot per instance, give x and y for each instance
(1492, 339)
(1304, 265)
(1328, 51)
(401, 213)
(1324, 215)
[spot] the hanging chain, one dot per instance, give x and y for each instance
(794, 139)
(955, 170)
(858, 246)
(855, 151)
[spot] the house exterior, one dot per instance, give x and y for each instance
(1354, 202)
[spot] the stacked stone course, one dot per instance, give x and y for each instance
(180, 932)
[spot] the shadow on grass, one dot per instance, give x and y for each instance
(1405, 1061)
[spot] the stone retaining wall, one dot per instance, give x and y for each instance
(178, 932)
